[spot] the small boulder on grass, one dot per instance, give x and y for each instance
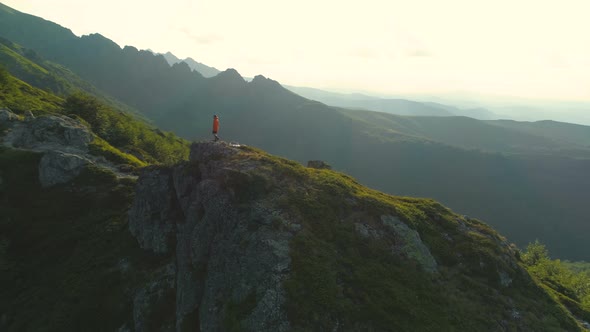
(319, 164)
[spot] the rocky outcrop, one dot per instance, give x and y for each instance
(6, 115)
(243, 238)
(230, 261)
(49, 133)
(63, 140)
(319, 164)
(58, 167)
(409, 243)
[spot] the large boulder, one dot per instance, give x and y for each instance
(53, 132)
(59, 167)
(6, 115)
(226, 257)
(409, 243)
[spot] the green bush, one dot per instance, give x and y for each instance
(570, 286)
(126, 133)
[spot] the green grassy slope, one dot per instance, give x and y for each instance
(20, 96)
(342, 279)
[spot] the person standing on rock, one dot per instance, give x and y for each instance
(215, 128)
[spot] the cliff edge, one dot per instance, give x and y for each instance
(259, 243)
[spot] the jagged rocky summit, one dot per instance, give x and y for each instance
(258, 243)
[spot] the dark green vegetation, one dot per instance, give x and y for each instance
(340, 278)
(568, 283)
(67, 260)
(126, 133)
(529, 180)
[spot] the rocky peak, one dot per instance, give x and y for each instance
(224, 254)
(261, 81)
(229, 74)
(259, 243)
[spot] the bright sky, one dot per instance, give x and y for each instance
(525, 48)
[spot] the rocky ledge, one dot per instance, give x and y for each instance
(63, 141)
(224, 255)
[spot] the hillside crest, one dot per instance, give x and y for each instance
(262, 243)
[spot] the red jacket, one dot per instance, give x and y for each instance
(215, 125)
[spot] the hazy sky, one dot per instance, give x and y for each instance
(527, 48)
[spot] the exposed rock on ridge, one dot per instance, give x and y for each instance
(226, 256)
(63, 141)
(257, 243)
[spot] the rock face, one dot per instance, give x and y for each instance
(409, 243)
(47, 133)
(252, 242)
(6, 115)
(63, 140)
(229, 260)
(58, 167)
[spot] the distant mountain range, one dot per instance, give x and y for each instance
(393, 106)
(205, 70)
(529, 180)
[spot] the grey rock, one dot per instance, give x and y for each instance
(367, 231)
(48, 133)
(409, 244)
(7, 115)
(211, 151)
(58, 167)
(319, 164)
(154, 212)
(29, 116)
(225, 255)
(154, 295)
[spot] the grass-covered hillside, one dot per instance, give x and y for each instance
(344, 274)
(20, 96)
(359, 259)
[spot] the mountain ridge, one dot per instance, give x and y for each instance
(537, 179)
(237, 239)
(205, 70)
(242, 206)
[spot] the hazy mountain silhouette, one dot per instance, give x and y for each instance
(389, 105)
(205, 70)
